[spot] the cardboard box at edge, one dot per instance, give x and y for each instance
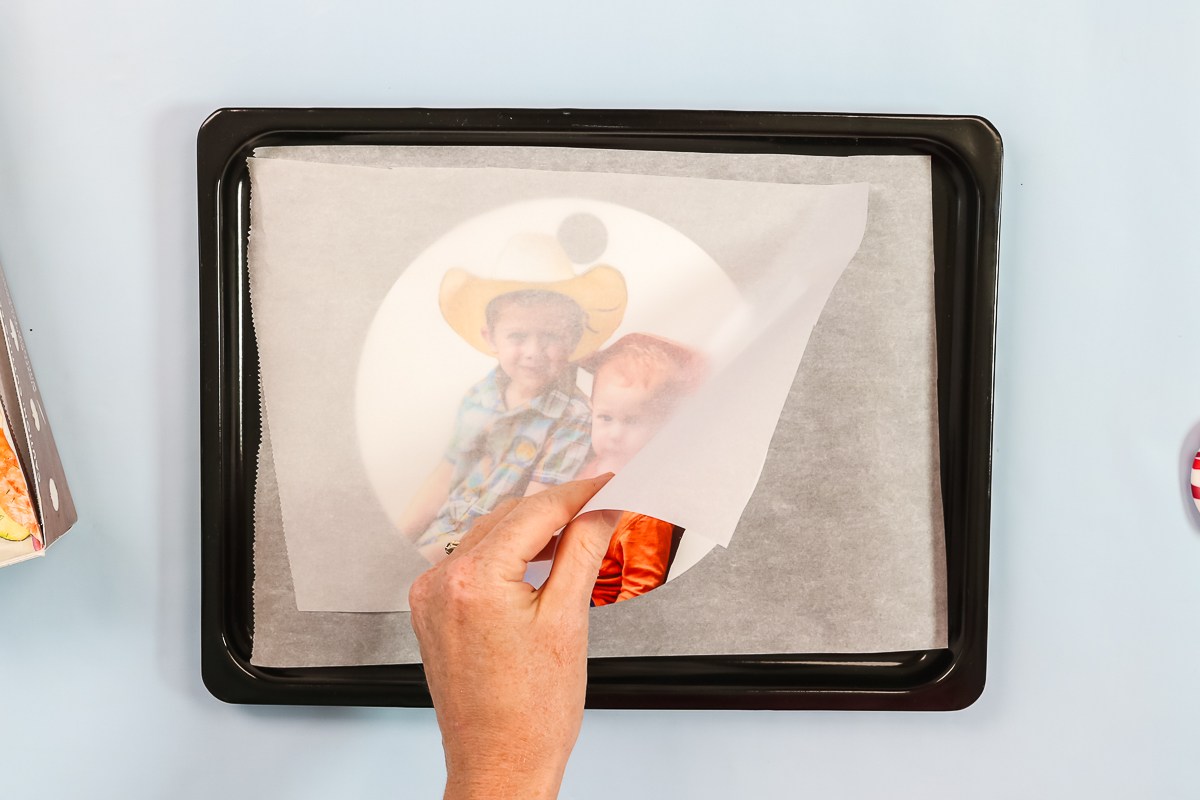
(36, 452)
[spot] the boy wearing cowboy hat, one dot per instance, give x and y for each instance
(525, 426)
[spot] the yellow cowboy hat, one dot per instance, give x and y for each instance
(534, 261)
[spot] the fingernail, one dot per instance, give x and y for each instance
(606, 477)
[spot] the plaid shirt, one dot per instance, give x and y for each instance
(497, 452)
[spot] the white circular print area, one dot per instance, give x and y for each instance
(414, 370)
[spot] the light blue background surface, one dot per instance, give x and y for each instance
(1095, 617)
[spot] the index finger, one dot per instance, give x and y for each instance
(522, 534)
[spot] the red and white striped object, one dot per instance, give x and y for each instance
(1196, 480)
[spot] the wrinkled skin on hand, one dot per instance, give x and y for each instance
(507, 664)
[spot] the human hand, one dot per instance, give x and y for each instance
(507, 663)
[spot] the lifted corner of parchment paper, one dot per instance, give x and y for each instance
(509, 344)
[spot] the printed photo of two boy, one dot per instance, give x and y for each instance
(527, 426)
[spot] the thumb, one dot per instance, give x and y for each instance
(577, 560)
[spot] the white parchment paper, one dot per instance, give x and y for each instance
(848, 556)
(324, 237)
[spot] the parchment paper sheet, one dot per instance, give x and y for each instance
(325, 237)
(841, 548)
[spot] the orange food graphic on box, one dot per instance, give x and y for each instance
(17, 520)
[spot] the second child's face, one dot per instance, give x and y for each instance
(624, 419)
(532, 343)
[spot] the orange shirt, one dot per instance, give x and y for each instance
(636, 561)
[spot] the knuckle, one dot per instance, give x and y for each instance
(459, 587)
(592, 549)
(544, 504)
(501, 511)
(418, 593)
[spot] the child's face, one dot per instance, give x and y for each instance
(624, 418)
(532, 343)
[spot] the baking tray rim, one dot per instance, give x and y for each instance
(947, 679)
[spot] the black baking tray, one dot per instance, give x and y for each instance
(966, 155)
